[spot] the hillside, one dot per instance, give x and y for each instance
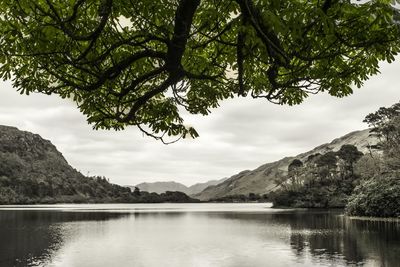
(261, 180)
(197, 188)
(161, 187)
(32, 170)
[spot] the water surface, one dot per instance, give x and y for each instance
(231, 235)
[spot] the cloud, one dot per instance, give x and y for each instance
(242, 134)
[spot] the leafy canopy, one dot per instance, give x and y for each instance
(131, 62)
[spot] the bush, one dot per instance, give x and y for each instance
(378, 197)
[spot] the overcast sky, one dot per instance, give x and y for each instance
(241, 134)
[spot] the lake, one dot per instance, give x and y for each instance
(227, 235)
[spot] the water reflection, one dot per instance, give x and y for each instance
(30, 238)
(330, 237)
(263, 237)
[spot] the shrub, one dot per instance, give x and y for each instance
(378, 197)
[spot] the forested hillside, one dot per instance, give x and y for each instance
(321, 181)
(32, 170)
(367, 185)
(262, 180)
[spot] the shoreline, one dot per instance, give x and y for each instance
(351, 217)
(374, 219)
(360, 218)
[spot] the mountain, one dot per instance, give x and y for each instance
(261, 180)
(161, 187)
(197, 188)
(32, 170)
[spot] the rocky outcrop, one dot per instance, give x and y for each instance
(24, 155)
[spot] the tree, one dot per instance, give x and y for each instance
(136, 62)
(385, 125)
(328, 160)
(378, 193)
(384, 122)
(376, 197)
(369, 165)
(295, 164)
(350, 155)
(136, 191)
(294, 172)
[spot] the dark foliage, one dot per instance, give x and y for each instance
(296, 163)
(315, 194)
(376, 197)
(379, 193)
(142, 63)
(349, 154)
(251, 197)
(323, 181)
(327, 160)
(82, 190)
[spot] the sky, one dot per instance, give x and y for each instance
(243, 133)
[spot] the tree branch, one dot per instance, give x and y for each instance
(104, 13)
(239, 60)
(183, 21)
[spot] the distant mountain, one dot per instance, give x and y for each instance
(161, 187)
(32, 170)
(197, 188)
(261, 180)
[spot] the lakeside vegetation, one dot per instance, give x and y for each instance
(322, 181)
(366, 185)
(241, 198)
(81, 190)
(379, 193)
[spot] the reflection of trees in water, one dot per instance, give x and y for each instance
(333, 238)
(34, 236)
(31, 237)
(158, 215)
(378, 238)
(325, 237)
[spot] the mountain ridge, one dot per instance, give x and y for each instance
(261, 179)
(163, 186)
